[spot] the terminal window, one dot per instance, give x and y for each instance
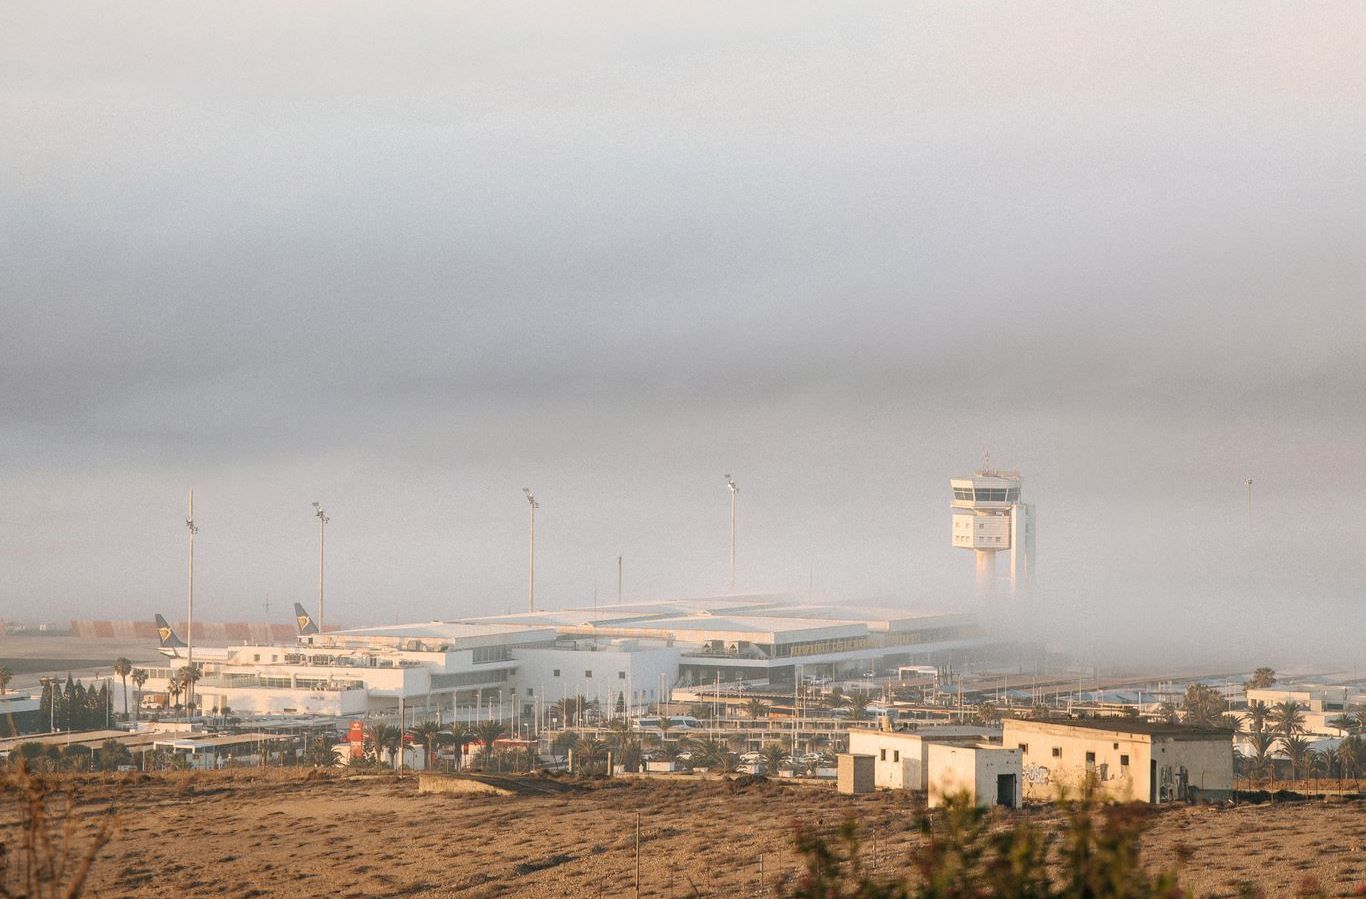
(588, 673)
(555, 673)
(621, 675)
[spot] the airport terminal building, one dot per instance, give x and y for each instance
(626, 657)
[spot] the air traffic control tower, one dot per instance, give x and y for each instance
(989, 518)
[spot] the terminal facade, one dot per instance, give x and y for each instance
(624, 657)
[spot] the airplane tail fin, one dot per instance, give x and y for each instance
(307, 625)
(167, 636)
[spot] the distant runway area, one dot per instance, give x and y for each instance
(32, 657)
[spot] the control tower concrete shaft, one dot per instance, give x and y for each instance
(989, 518)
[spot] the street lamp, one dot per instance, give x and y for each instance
(531, 564)
(734, 491)
(322, 539)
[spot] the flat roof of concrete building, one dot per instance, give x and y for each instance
(1125, 725)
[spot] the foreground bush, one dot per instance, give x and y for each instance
(1096, 855)
(46, 853)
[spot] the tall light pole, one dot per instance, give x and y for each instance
(189, 624)
(322, 540)
(1249, 503)
(734, 491)
(531, 564)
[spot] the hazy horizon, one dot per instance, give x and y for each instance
(407, 261)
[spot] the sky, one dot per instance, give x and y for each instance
(408, 259)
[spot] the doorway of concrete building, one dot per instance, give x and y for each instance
(1152, 781)
(1005, 790)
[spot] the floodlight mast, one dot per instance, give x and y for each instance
(734, 491)
(322, 540)
(531, 563)
(189, 624)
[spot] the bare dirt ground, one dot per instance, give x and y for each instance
(249, 833)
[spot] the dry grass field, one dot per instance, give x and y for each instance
(283, 833)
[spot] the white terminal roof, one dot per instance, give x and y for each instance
(456, 634)
(755, 629)
(753, 618)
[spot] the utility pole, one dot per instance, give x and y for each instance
(531, 565)
(1249, 504)
(734, 491)
(322, 540)
(189, 624)
(618, 580)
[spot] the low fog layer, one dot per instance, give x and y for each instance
(409, 261)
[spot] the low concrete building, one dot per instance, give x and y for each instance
(1320, 705)
(899, 761)
(855, 774)
(987, 774)
(1127, 759)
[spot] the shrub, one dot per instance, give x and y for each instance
(1096, 855)
(46, 854)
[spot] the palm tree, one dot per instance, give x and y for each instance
(773, 758)
(588, 752)
(563, 742)
(714, 754)
(428, 732)
(1257, 714)
(175, 686)
(1287, 717)
(189, 675)
(139, 678)
(1262, 678)
(384, 737)
(6, 675)
(629, 755)
(123, 668)
(489, 732)
(1296, 748)
(569, 709)
(321, 753)
(756, 708)
(1350, 756)
(1261, 762)
(665, 722)
(1318, 763)
(619, 731)
(1346, 722)
(461, 736)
